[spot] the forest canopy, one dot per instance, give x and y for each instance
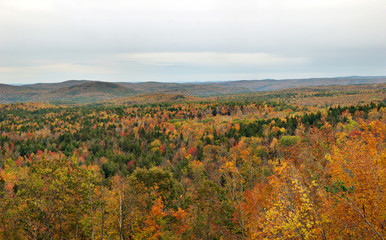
(279, 165)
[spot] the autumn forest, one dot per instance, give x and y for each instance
(300, 163)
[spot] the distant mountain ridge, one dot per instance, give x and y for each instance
(85, 91)
(271, 84)
(66, 92)
(192, 89)
(68, 83)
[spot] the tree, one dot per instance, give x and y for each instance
(358, 176)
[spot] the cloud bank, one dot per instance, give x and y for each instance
(174, 40)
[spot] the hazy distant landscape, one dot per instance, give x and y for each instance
(84, 91)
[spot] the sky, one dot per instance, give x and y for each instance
(190, 41)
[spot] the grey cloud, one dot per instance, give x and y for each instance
(313, 37)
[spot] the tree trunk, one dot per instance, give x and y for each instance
(120, 216)
(92, 219)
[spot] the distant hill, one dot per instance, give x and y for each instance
(84, 91)
(95, 87)
(268, 85)
(89, 92)
(333, 95)
(58, 85)
(73, 92)
(11, 94)
(191, 89)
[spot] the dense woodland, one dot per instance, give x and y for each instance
(234, 167)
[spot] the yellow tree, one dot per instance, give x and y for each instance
(124, 208)
(290, 212)
(357, 166)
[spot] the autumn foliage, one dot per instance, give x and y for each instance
(226, 168)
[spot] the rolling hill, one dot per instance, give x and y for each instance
(72, 93)
(89, 92)
(268, 85)
(58, 85)
(195, 89)
(84, 91)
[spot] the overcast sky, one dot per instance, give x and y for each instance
(200, 40)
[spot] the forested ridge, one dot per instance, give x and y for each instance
(233, 167)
